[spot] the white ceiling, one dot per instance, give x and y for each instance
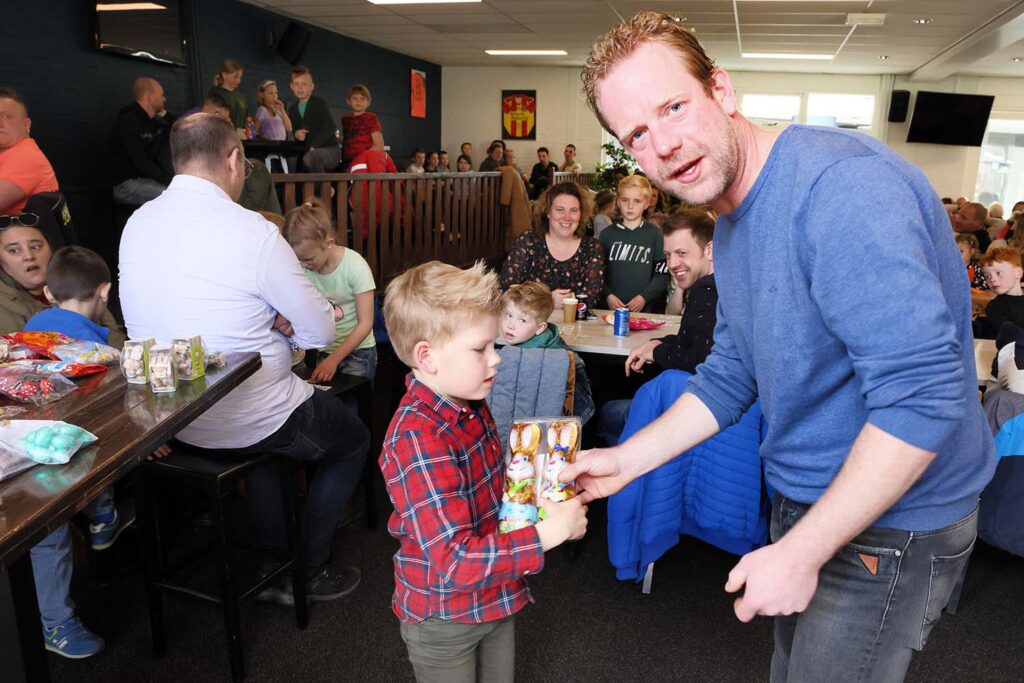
(976, 37)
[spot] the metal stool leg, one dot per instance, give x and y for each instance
(229, 595)
(293, 522)
(152, 555)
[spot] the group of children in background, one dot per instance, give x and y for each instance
(308, 119)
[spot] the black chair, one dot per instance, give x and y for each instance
(215, 475)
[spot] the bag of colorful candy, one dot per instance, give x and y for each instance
(47, 442)
(59, 366)
(33, 386)
(61, 347)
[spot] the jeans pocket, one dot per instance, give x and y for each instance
(873, 560)
(945, 574)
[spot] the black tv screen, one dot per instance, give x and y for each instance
(145, 30)
(944, 118)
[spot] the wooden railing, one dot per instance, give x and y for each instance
(582, 179)
(399, 220)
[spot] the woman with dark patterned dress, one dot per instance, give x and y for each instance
(557, 252)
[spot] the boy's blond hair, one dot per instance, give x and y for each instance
(639, 182)
(531, 297)
(432, 301)
(359, 89)
(1001, 255)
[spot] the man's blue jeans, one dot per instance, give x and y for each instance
(877, 600)
(324, 431)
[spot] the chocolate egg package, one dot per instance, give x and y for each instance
(539, 448)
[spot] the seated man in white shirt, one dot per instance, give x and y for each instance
(194, 262)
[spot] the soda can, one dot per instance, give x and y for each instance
(621, 322)
(581, 307)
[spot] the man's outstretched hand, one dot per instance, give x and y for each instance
(598, 473)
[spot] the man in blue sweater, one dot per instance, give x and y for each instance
(876, 443)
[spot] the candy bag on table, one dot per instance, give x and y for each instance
(47, 442)
(32, 386)
(61, 347)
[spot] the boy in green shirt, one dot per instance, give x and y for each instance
(634, 252)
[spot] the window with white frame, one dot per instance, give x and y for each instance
(1001, 167)
(770, 109)
(841, 109)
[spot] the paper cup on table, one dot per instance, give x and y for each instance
(569, 310)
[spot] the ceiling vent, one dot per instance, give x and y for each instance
(865, 19)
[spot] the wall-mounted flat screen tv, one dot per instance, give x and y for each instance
(944, 118)
(145, 30)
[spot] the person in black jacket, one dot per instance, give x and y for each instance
(314, 124)
(688, 239)
(539, 174)
(139, 153)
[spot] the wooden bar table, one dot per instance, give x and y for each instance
(130, 422)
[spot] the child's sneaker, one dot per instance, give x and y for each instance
(105, 529)
(72, 640)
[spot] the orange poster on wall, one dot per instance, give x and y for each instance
(418, 91)
(519, 114)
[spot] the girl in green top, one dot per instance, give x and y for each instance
(343, 277)
(225, 84)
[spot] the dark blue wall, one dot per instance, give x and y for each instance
(74, 91)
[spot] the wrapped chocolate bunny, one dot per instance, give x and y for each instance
(519, 500)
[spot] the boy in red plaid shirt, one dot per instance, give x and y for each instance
(458, 583)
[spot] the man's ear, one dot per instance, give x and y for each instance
(104, 291)
(49, 295)
(709, 251)
(722, 90)
(234, 159)
(540, 328)
(421, 356)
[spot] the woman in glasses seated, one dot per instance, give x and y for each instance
(24, 256)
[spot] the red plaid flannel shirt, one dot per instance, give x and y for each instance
(444, 471)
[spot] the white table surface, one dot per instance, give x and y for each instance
(597, 336)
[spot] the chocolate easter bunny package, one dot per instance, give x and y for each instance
(539, 449)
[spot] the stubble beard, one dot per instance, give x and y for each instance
(721, 165)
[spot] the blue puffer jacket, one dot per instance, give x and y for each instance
(713, 492)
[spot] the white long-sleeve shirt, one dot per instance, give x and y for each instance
(194, 262)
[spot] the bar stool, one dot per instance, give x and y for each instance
(215, 475)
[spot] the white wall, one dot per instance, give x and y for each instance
(471, 112)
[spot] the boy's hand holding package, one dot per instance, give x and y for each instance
(565, 521)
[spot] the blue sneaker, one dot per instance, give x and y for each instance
(72, 640)
(103, 531)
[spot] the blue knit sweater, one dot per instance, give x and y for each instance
(842, 301)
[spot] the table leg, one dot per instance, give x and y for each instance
(22, 655)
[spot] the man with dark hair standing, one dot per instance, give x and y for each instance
(540, 175)
(570, 165)
(138, 146)
(24, 169)
(244, 290)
